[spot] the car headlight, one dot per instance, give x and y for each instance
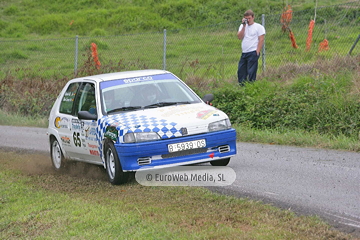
(219, 125)
(141, 137)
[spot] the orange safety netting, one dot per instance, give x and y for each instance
(309, 37)
(292, 38)
(95, 55)
(286, 17)
(285, 20)
(324, 45)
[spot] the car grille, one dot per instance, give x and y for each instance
(224, 148)
(144, 161)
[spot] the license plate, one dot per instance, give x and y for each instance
(176, 147)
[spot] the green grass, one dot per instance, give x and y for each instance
(299, 138)
(22, 19)
(38, 203)
(213, 45)
(13, 119)
(216, 49)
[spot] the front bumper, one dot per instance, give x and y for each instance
(219, 145)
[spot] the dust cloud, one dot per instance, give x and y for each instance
(35, 163)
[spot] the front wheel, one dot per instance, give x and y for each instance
(57, 157)
(221, 162)
(113, 166)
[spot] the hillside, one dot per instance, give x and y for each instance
(31, 19)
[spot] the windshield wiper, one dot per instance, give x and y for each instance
(129, 108)
(185, 102)
(163, 104)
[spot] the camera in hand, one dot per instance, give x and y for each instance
(245, 21)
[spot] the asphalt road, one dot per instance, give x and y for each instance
(306, 180)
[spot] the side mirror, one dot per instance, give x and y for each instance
(86, 115)
(208, 98)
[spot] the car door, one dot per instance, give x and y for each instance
(64, 119)
(84, 131)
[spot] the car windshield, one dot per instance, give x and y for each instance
(145, 92)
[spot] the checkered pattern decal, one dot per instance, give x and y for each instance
(132, 122)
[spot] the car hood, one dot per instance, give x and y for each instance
(168, 122)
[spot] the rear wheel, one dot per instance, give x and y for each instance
(57, 157)
(221, 162)
(113, 166)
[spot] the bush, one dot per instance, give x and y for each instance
(29, 96)
(323, 105)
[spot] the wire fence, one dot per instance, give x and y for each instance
(212, 51)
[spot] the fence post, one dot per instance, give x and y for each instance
(353, 46)
(263, 48)
(164, 54)
(76, 54)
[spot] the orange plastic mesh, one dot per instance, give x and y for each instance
(286, 18)
(324, 45)
(95, 55)
(292, 38)
(309, 37)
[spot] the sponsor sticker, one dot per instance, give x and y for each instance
(111, 132)
(205, 114)
(57, 122)
(65, 140)
(94, 152)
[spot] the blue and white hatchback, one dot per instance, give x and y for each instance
(129, 121)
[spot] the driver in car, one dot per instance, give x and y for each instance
(149, 94)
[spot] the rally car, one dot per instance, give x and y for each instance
(136, 120)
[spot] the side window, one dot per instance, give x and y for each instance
(68, 99)
(85, 100)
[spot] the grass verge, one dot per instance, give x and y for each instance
(12, 119)
(299, 138)
(38, 203)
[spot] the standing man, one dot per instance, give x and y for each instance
(252, 35)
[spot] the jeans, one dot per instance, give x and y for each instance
(247, 68)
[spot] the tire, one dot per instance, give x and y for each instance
(57, 157)
(113, 166)
(221, 162)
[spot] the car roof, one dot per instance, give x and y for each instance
(122, 75)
